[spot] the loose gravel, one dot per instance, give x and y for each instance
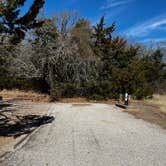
(92, 135)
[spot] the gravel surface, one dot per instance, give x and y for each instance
(92, 135)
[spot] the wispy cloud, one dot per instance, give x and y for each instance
(155, 40)
(145, 28)
(116, 6)
(114, 3)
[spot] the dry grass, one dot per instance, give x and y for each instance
(22, 95)
(4, 140)
(153, 110)
(160, 101)
(84, 100)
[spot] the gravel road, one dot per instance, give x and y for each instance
(92, 135)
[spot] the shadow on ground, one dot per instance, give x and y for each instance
(23, 125)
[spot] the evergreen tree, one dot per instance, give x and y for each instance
(12, 24)
(155, 69)
(102, 37)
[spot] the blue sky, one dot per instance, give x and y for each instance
(138, 20)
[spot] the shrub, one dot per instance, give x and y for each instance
(24, 84)
(143, 92)
(60, 90)
(101, 90)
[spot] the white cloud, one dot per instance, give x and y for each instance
(114, 3)
(153, 40)
(116, 6)
(145, 28)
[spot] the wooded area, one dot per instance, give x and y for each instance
(65, 56)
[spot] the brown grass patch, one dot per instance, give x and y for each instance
(160, 101)
(74, 100)
(22, 95)
(4, 140)
(85, 100)
(153, 111)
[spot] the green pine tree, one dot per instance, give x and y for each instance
(15, 26)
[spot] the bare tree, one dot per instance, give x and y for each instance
(65, 21)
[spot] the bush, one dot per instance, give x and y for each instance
(101, 90)
(24, 84)
(143, 93)
(60, 90)
(55, 93)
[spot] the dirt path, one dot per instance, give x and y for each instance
(92, 135)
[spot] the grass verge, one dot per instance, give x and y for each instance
(153, 110)
(22, 95)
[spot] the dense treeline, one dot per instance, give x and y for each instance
(67, 57)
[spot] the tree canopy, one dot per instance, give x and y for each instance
(15, 26)
(66, 56)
